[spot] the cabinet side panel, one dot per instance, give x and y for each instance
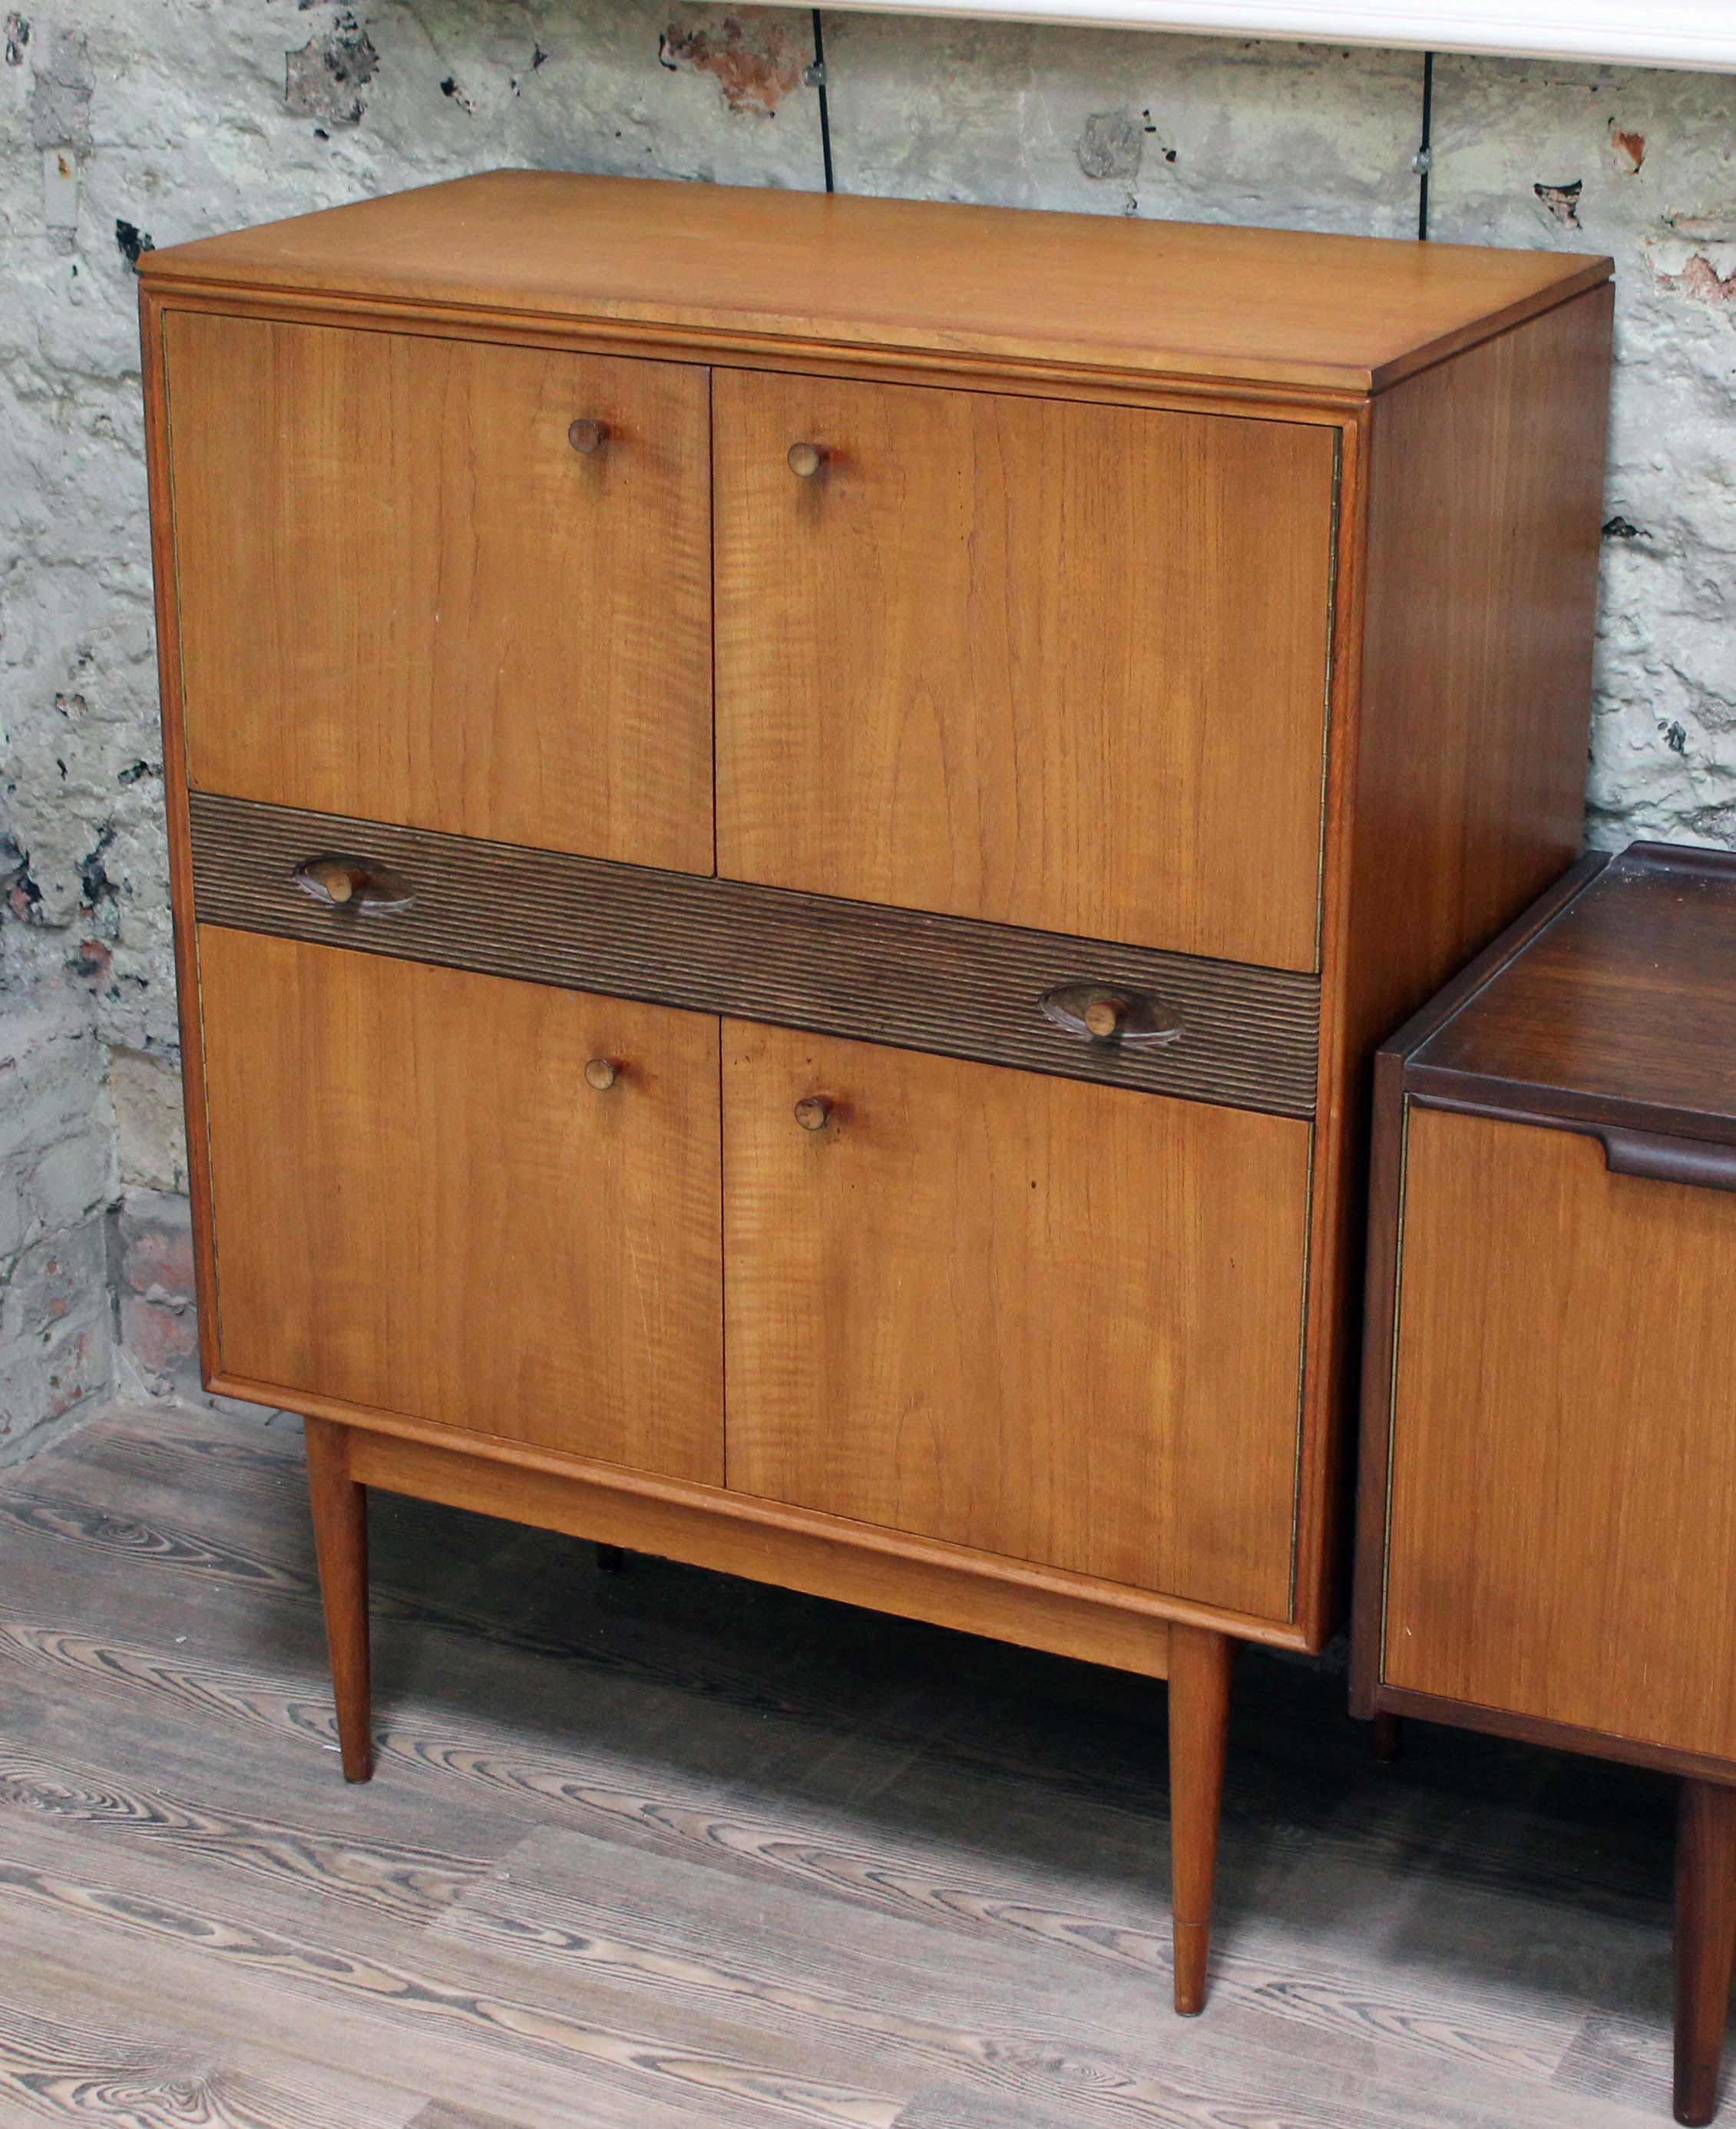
(1562, 1525)
(1468, 601)
(1486, 483)
(174, 789)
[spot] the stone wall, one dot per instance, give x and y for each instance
(122, 126)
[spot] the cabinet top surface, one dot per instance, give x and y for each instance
(741, 267)
(1623, 1006)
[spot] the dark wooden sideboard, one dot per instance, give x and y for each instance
(794, 821)
(1547, 1528)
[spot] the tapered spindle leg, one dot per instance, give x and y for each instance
(1705, 1942)
(341, 1541)
(1200, 1682)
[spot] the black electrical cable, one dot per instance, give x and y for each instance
(1424, 155)
(817, 75)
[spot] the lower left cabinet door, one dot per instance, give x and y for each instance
(421, 1204)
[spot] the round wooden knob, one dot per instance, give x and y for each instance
(601, 1073)
(588, 436)
(805, 459)
(1103, 1017)
(812, 1111)
(338, 881)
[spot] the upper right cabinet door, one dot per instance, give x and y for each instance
(1040, 662)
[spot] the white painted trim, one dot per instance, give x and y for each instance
(1672, 33)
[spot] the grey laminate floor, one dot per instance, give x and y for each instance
(657, 1850)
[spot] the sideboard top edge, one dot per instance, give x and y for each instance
(739, 267)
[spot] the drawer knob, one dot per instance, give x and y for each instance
(602, 1074)
(588, 436)
(333, 878)
(812, 1111)
(338, 880)
(805, 459)
(1104, 1013)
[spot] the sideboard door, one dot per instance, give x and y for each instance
(422, 1204)
(1562, 1531)
(1047, 1319)
(451, 584)
(1049, 663)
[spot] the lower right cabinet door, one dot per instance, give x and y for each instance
(1561, 1537)
(1044, 1318)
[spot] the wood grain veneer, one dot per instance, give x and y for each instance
(929, 655)
(927, 1297)
(1560, 1512)
(1485, 477)
(1341, 314)
(1248, 1036)
(1623, 1014)
(403, 593)
(420, 1204)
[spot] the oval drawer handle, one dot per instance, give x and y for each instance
(813, 1112)
(602, 1074)
(588, 436)
(805, 460)
(340, 880)
(1102, 1013)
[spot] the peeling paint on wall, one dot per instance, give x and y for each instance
(1627, 149)
(1562, 201)
(325, 78)
(754, 58)
(1663, 750)
(1704, 277)
(133, 241)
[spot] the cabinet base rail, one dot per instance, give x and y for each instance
(342, 1460)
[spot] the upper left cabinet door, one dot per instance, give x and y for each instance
(414, 586)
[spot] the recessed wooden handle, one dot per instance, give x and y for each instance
(812, 1111)
(588, 436)
(602, 1074)
(333, 878)
(805, 459)
(1700, 1163)
(1104, 1013)
(339, 879)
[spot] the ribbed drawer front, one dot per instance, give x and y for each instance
(1210, 1031)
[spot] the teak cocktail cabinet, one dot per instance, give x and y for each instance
(794, 821)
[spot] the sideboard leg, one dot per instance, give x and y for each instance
(610, 1559)
(1388, 1729)
(341, 1541)
(1705, 1942)
(1200, 1682)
